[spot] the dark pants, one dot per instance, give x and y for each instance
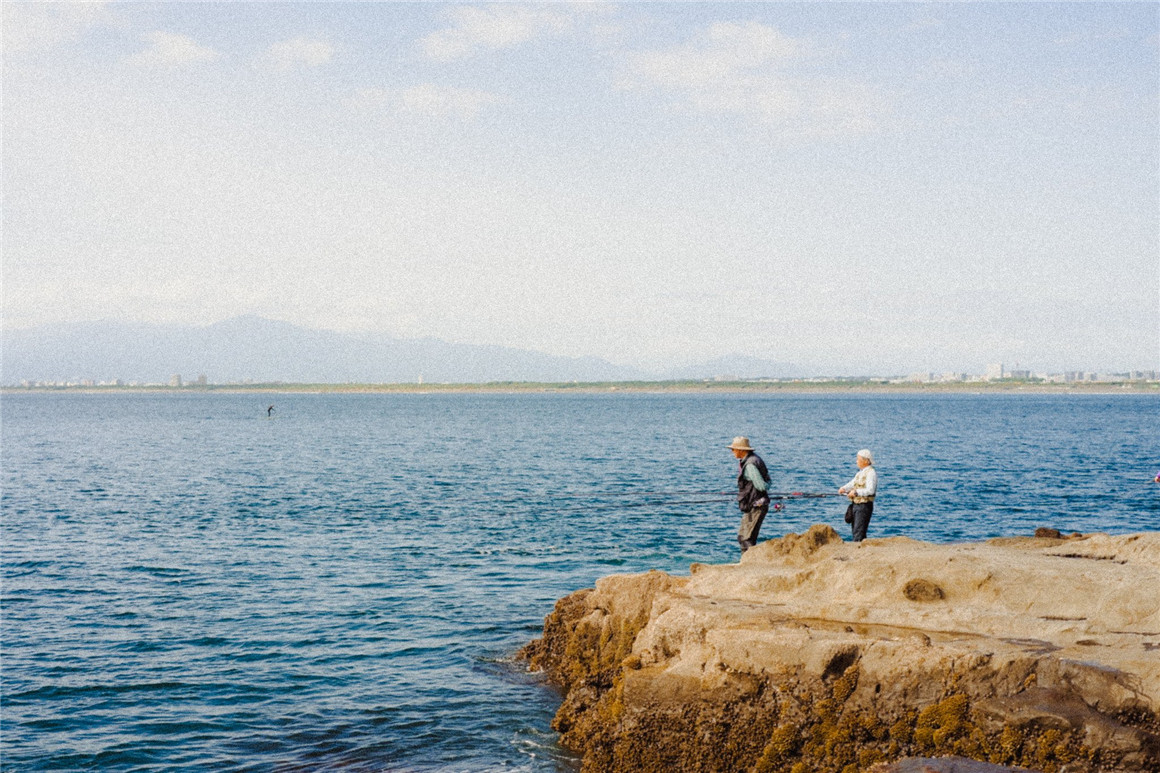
(862, 513)
(750, 525)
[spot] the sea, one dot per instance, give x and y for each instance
(195, 582)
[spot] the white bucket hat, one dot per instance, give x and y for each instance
(741, 443)
(865, 454)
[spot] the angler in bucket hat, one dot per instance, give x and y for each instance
(752, 491)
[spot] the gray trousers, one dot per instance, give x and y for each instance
(862, 513)
(750, 525)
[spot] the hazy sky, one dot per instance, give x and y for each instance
(865, 187)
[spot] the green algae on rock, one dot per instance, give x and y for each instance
(814, 654)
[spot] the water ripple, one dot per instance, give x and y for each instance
(188, 586)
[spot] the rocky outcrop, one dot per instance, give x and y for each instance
(814, 654)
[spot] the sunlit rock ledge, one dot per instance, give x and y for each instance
(815, 654)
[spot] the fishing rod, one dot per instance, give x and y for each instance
(667, 494)
(598, 501)
(804, 494)
(625, 505)
(714, 498)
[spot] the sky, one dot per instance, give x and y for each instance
(850, 187)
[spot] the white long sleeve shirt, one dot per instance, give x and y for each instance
(863, 487)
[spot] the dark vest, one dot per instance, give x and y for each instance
(747, 495)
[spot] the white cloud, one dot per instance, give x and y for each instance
(752, 69)
(438, 101)
(727, 52)
(425, 99)
(475, 29)
(30, 27)
(298, 52)
(168, 49)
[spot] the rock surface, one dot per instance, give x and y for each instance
(815, 654)
(943, 765)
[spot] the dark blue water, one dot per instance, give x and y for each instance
(188, 585)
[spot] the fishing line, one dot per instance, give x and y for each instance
(670, 494)
(592, 501)
(625, 505)
(712, 497)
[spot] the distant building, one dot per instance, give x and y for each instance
(1023, 374)
(201, 379)
(994, 372)
(175, 380)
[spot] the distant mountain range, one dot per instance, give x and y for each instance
(255, 349)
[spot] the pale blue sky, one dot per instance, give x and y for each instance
(852, 187)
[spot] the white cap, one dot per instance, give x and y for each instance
(865, 454)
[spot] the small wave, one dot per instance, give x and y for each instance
(59, 692)
(30, 564)
(159, 571)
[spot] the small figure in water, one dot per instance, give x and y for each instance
(270, 412)
(1157, 478)
(752, 491)
(861, 490)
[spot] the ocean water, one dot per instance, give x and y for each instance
(191, 585)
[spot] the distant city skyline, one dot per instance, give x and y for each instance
(250, 349)
(883, 188)
(176, 381)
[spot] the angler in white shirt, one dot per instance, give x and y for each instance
(861, 490)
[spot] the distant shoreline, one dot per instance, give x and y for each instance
(867, 386)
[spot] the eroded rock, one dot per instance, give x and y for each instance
(943, 765)
(923, 590)
(814, 654)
